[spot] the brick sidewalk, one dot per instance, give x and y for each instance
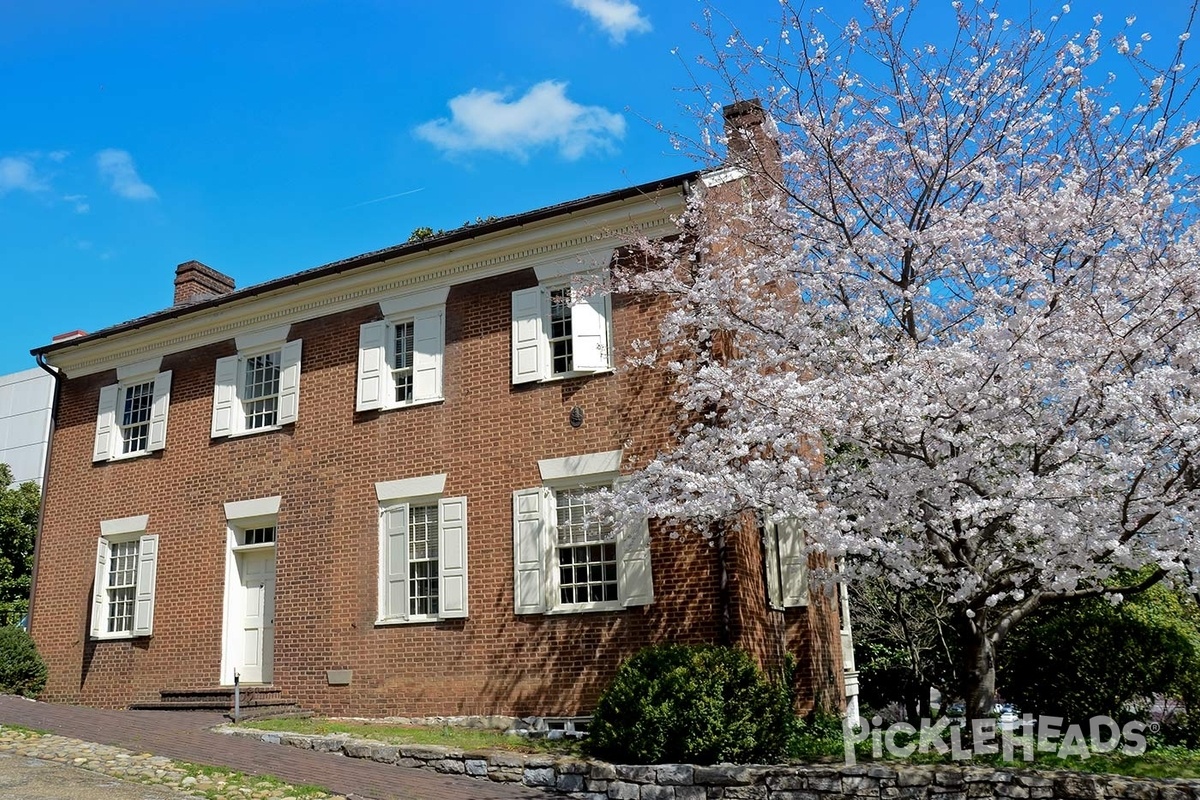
(185, 736)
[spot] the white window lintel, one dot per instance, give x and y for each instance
(262, 338)
(403, 304)
(423, 486)
(142, 369)
(595, 261)
(124, 525)
(249, 509)
(588, 465)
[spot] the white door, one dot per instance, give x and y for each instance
(258, 620)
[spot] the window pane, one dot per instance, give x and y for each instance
(260, 391)
(135, 417)
(260, 535)
(402, 369)
(561, 361)
(587, 573)
(121, 585)
(423, 560)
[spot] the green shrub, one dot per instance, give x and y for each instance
(692, 704)
(22, 670)
(818, 736)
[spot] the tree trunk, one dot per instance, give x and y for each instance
(979, 671)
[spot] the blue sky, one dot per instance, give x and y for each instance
(267, 137)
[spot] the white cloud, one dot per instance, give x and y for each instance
(543, 117)
(617, 17)
(80, 202)
(116, 166)
(18, 174)
(58, 156)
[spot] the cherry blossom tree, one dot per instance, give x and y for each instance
(943, 306)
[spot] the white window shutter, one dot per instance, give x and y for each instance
(289, 382)
(224, 396)
(452, 557)
(635, 584)
(158, 411)
(106, 423)
(529, 551)
(393, 564)
(528, 338)
(793, 563)
(143, 609)
(589, 333)
(770, 537)
(428, 342)
(372, 365)
(98, 620)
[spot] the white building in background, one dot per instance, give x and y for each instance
(25, 401)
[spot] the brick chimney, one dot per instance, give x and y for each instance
(752, 139)
(195, 282)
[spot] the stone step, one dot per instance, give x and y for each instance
(256, 702)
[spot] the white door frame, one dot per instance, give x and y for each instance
(234, 612)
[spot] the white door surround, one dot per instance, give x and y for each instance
(248, 641)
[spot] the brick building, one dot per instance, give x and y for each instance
(363, 485)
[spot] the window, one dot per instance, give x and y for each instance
(259, 388)
(126, 564)
(132, 416)
(400, 357)
(559, 331)
(586, 551)
(422, 552)
(564, 559)
(260, 395)
(263, 535)
(785, 563)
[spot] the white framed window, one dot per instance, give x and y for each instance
(558, 331)
(785, 562)
(400, 357)
(422, 552)
(132, 416)
(564, 559)
(123, 591)
(259, 388)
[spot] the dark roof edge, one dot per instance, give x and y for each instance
(333, 268)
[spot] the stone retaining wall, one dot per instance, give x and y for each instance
(595, 780)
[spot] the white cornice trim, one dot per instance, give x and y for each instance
(555, 241)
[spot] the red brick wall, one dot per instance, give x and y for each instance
(487, 436)
(810, 633)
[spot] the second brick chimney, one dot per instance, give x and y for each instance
(195, 282)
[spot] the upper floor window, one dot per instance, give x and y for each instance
(260, 395)
(400, 357)
(132, 416)
(565, 558)
(559, 331)
(259, 388)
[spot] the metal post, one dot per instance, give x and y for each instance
(237, 697)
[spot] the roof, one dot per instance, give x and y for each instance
(464, 233)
